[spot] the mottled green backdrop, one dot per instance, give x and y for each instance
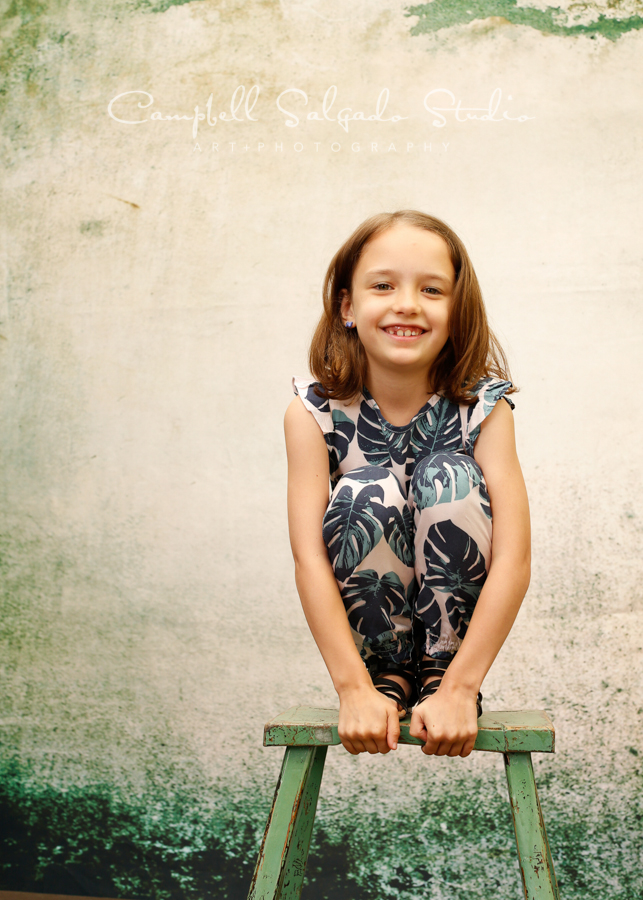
(160, 283)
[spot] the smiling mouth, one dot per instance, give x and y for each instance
(404, 331)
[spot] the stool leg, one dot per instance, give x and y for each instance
(534, 856)
(279, 873)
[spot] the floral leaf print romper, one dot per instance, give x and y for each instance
(408, 525)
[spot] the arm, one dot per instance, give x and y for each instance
(448, 719)
(367, 720)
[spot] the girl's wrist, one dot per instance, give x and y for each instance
(360, 684)
(464, 683)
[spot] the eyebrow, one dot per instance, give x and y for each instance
(429, 276)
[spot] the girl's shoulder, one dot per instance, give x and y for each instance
(487, 392)
(329, 414)
(315, 402)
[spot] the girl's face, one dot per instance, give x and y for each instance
(400, 299)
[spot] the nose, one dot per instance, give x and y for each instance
(406, 301)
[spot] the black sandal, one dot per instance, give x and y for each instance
(436, 667)
(392, 689)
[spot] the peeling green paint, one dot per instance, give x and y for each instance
(440, 14)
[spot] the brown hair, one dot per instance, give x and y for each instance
(337, 358)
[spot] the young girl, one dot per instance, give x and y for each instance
(410, 418)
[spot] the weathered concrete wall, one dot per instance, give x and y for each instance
(158, 295)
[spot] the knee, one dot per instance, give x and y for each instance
(444, 477)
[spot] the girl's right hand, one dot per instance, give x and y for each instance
(447, 722)
(368, 721)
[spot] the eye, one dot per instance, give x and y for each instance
(382, 286)
(431, 290)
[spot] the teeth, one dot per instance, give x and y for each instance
(402, 332)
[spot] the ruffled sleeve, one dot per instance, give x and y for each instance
(489, 391)
(318, 406)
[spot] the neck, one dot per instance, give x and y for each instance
(399, 395)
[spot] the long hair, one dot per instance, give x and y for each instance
(337, 358)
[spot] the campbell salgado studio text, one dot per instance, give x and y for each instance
(295, 106)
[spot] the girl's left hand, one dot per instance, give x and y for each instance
(447, 722)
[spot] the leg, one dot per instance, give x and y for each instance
(279, 873)
(452, 552)
(368, 531)
(534, 856)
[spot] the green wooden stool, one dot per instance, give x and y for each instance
(307, 732)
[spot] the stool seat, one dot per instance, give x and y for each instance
(307, 732)
(529, 731)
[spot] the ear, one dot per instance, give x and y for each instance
(346, 306)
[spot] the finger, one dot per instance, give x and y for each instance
(370, 746)
(455, 749)
(348, 746)
(442, 748)
(430, 746)
(417, 729)
(392, 733)
(467, 747)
